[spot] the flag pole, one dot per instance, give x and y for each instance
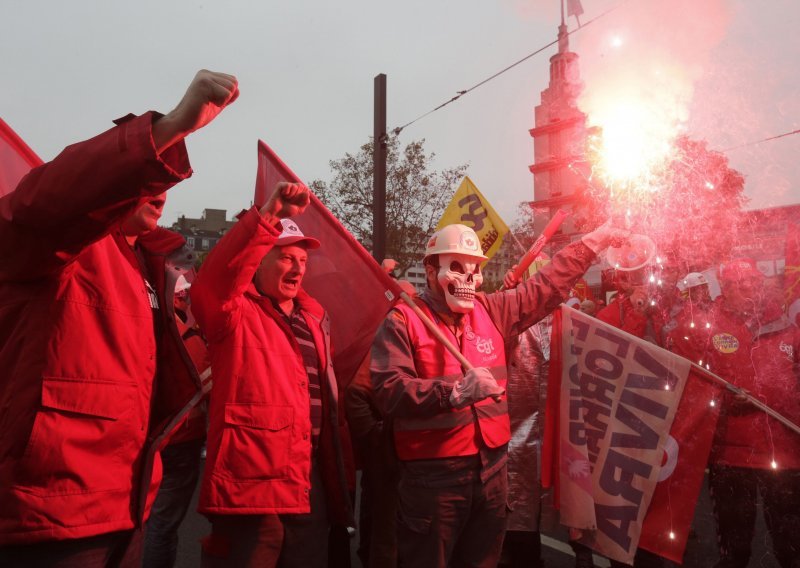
(751, 399)
(538, 245)
(443, 339)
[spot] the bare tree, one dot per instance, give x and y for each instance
(416, 196)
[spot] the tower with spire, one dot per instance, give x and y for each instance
(559, 141)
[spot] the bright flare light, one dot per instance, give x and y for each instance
(632, 142)
(616, 41)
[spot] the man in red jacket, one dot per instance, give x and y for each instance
(275, 472)
(754, 346)
(451, 425)
(83, 329)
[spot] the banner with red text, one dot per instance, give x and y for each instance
(16, 159)
(341, 275)
(625, 451)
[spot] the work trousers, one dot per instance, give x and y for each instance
(734, 494)
(121, 549)
(181, 469)
(378, 519)
(271, 541)
(458, 525)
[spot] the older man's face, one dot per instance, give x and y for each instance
(281, 272)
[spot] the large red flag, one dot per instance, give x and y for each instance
(341, 275)
(627, 434)
(16, 159)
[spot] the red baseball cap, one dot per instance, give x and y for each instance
(292, 234)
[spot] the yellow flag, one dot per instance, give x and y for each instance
(469, 207)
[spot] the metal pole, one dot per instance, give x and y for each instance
(379, 150)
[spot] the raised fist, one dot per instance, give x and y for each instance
(287, 200)
(208, 94)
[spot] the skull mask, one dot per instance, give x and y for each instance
(460, 276)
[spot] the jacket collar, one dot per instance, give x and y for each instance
(161, 241)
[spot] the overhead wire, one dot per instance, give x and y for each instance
(396, 131)
(755, 142)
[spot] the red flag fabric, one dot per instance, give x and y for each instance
(341, 275)
(628, 430)
(16, 159)
(791, 279)
(669, 518)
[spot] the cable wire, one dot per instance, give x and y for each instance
(396, 131)
(753, 143)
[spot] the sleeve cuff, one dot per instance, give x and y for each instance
(136, 135)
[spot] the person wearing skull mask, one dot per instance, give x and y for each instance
(451, 427)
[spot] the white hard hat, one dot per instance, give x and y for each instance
(691, 280)
(455, 239)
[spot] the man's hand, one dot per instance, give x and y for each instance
(477, 384)
(287, 200)
(607, 234)
(208, 94)
(509, 281)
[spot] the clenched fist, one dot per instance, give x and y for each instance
(208, 94)
(287, 200)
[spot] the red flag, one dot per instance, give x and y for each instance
(341, 275)
(628, 430)
(669, 518)
(16, 159)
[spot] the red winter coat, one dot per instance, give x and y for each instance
(763, 361)
(182, 353)
(259, 435)
(621, 314)
(691, 336)
(77, 347)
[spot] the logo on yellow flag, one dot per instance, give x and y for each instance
(469, 207)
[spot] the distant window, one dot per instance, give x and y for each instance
(190, 241)
(205, 244)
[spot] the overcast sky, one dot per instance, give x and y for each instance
(306, 69)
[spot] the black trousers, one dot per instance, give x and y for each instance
(734, 494)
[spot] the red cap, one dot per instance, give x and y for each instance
(292, 234)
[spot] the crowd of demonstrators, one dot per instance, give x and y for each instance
(108, 337)
(85, 320)
(451, 425)
(274, 481)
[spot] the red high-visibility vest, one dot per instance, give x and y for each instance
(453, 432)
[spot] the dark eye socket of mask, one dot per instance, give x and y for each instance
(455, 266)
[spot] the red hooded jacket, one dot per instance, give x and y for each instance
(259, 434)
(77, 342)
